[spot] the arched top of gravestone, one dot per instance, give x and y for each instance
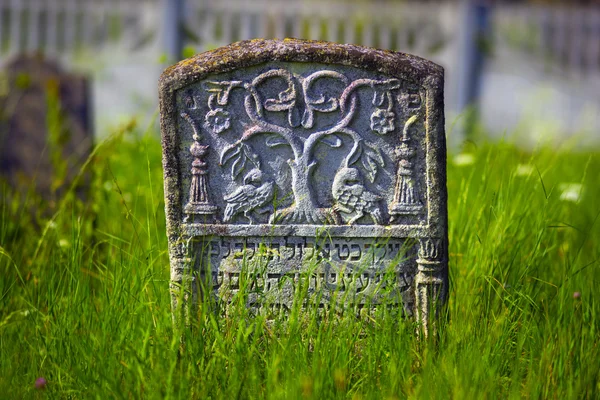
(253, 52)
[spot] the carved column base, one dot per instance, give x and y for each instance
(182, 293)
(200, 208)
(189, 277)
(196, 208)
(398, 209)
(429, 297)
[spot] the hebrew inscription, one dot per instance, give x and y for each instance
(313, 159)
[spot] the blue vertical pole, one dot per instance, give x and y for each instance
(481, 38)
(173, 12)
(476, 32)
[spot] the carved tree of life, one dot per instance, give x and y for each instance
(305, 208)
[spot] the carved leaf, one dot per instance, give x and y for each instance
(355, 154)
(370, 167)
(228, 154)
(238, 165)
(241, 154)
(372, 161)
(275, 140)
(250, 155)
(375, 152)
(332, 141)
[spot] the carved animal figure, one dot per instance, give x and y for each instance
(352, 197)
(251, 197)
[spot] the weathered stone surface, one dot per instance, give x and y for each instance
(45, 125)
(297, 158)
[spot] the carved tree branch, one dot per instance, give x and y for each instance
(321, 104)
(262, 126)
(340, 127)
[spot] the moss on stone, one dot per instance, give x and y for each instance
(256, 51)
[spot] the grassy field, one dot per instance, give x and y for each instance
(85, 304)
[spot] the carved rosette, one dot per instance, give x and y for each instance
(406, 195)
(217, 119)
(430, 290)
(199, 201)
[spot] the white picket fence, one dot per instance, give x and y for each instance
(562, 37)
(559, 41)
(417, 27)
(64, 27)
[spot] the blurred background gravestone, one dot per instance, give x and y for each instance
(45, 130)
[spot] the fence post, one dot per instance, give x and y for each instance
(16, 13)
(476, 30)
(172, 31)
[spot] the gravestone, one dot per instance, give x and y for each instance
(45, 126)
(294, 159)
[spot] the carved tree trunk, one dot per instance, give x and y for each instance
(301, 187)
(305, 208)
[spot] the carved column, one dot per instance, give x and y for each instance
(406, 195)
(431, 279)
(199, 200)
(181, 282)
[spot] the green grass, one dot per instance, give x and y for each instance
(86, 304)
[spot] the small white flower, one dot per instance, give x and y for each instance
(464, 159)
(570, 192)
